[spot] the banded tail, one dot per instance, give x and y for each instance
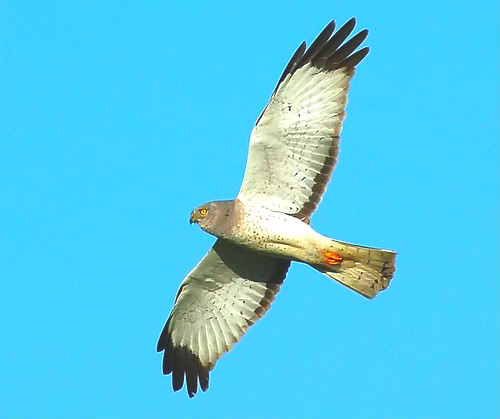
(365, 270)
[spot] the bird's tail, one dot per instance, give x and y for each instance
(363, 269)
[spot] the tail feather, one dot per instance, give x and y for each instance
(365, 270)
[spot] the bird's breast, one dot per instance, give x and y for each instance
(272, 232)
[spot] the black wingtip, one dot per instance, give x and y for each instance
(192, 368)
(204, 377)
(348, 48)
(178, 369)
(351, 22)
(363, 33)
(345, 30)
(354, 59)
(317, 44)
(330, 26)
(325, 45)
(164, 338)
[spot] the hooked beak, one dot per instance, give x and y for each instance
(191, 218)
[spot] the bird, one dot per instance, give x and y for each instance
(293, 149)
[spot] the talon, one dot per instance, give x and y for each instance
(332, 258)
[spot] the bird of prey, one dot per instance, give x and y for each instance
(293, 150)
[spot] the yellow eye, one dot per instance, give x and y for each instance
(203, 211)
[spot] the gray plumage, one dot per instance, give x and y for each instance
(221, 219)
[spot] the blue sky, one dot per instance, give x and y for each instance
(118, 118)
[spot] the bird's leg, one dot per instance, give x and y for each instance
(331, 258)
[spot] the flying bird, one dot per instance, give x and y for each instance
(293, 149)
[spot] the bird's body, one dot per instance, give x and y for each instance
(284, 236)
(293, 150)
(280, 235)
(270, 232)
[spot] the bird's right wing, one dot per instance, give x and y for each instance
(228, 291)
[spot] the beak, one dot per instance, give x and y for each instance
(191, 221)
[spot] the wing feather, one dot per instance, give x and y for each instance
(230, 289)
(338, 38)
(294, 144)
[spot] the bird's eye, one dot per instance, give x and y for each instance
(203, 211)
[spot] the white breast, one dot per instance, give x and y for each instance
(276, 233)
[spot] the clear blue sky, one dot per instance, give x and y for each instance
(118, 117)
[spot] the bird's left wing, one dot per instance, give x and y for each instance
(228, 291)
(294, 144)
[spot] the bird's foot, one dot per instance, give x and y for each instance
(332, 258)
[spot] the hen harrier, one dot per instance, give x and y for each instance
(293, 149)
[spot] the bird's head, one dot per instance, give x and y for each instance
(212, 216)
(201, 214)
